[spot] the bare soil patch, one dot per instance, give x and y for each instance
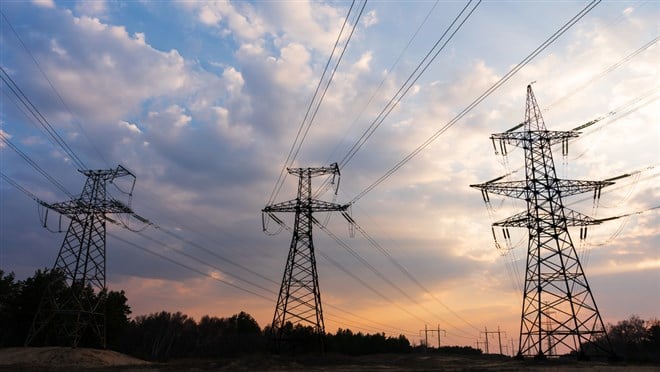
(63, 358)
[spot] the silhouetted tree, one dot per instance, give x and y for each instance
(26, 303)
(347, 342)
(19, 301)
(154, 336)
(9, 292)
(633, 339)
(117, 319)
(161, 336)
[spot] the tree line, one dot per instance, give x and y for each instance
(164, 335)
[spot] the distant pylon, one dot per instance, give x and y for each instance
(81, 260)
(299, 300)
(558, 308)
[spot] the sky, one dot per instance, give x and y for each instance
(202, 102)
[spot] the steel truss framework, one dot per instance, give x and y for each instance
(81, 260)
(299, 300)
(558, 310)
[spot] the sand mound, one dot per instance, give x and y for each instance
(61, 357)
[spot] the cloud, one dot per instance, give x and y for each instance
(44, 3)
(96, 8)
(131, 127)
(369, 19)
(245, 25)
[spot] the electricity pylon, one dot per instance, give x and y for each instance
(81, 260)
(558, 307)
(299, 300)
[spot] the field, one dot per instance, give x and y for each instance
(67, 359)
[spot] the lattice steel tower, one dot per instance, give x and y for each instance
(299, 300)
(558, 308)
(81, 260)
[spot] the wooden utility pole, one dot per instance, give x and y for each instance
(426, 331)
(499, 337)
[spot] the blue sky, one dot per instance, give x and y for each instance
(202, 101)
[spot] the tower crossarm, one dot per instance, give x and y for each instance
(78, 207)
(524, 138)
(323, 206)
(524, 219)
(518, 189)
(313, 204)
(287, 206)
(313, 172)
(108, 174)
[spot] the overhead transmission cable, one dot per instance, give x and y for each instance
(406, 272)
(216, 255)
(422, 66)
(409, 275)
(410, 81)
(19, 187)
(479, 99)
(57, 93)
(363, 261)
(608, 70)
(18, 92)
(358, 326)
(382, 325)
(34, 165)
(382, 82)
(178, 263)
(315, 103)
(374, 270)
(206, 263)
(355, 277)
(610, 117)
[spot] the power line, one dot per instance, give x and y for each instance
(377, 272)
(422, 66)
(382, 325)
(479, 99)
(364, 262)
(34, 165)
(19, 187)
(203, 262)
(410, 276)
(355, 277)
(382, 82)
(189, 267)
(305, 124)
(214, 254)
(609, 69)
(369, 287)
(18, 92)
(57, 93)
(614, 115)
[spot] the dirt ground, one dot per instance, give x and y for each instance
(29, 358)
(80, 359)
